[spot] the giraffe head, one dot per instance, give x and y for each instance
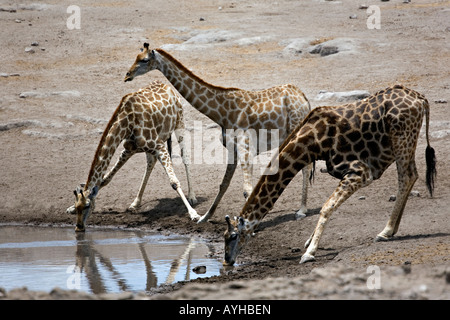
(236, 237)
(145, 62)
(84, 204)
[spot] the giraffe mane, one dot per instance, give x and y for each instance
(190, 73)
(103, 138)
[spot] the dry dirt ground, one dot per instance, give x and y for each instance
(57, 98)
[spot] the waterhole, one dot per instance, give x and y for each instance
(100, 260)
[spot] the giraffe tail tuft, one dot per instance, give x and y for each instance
(431, 168)
(430, 155)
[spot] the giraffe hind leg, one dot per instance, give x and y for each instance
(307, 172)
(407, 176)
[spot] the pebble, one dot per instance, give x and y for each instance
(392, 198)
(199, 269)
(35, 44)
(29, 50)
(362, 198)
(353, 16)
(414, 193)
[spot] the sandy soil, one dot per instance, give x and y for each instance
(56, 101)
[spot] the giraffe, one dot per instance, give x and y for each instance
(358, 141)
(279, 108)
(144, 121)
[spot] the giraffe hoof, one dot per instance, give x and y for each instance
(307, 257)
(192, 201)
(202, 219)
(194, 215)
(380, 238)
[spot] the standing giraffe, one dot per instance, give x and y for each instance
(144, 120)
(281, 108)
(358, 141)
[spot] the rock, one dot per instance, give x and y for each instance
(324, 50)
(342, 96)
(35, 94)
(199, 269)
(363, 6)
(35, 44)
(4, 75)
(29, 50)
(392, 198)
(353, 16)
(362, 198)
(440, 101)
(414, 193)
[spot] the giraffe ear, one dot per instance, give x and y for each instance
(93, 192)
(230, 227)
(241, 224)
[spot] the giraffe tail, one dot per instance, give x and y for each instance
(430, 155)
(169, 146)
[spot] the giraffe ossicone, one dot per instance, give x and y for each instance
(279, 108)
(358, 142)
(144, 121)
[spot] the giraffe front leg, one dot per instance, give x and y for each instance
(123, 158)
(348, 185)
(229, 172)
(179, 133)
(164, 158)
(151, 160)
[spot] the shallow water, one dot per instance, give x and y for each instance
(100, 260)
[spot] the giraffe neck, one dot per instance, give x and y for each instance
(111, 139)
(212, 101)
(293, 157)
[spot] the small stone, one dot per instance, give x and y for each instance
(18, 21)
(35, 44)
(327, 50)
(202, 19)
(29, 50)
(362, 198)
(440, 101)
(4, 75)
(414, 193)
(353, 16)
(199, 269)
(392, 198)
(363, 6)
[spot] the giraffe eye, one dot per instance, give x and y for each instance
(233, 236)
